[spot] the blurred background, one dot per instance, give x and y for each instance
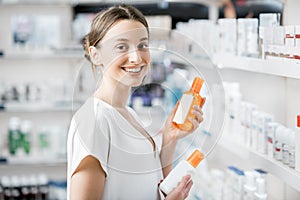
(251, 46)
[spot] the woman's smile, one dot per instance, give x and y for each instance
(134, 69)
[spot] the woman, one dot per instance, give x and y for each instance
(110, 154)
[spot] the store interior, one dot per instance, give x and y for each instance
(250, 60)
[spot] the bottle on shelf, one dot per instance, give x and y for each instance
(25, 137)
(14, 135)
(260, 193)
(297, 145)
(249, 187)
(292, 149)
(184, 111)
(183, 168)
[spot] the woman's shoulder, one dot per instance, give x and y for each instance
(93, 107)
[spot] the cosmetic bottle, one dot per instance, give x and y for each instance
(183, 168)
(260, 193)
(292, 149)
(187, 101)
(297, 145)
(14, 135)
(249, 187)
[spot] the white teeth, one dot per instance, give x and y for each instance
(134, 70)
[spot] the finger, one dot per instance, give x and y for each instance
(184, 181)
(188, 187)
(198, 116)
(194, 122)
(198, 109)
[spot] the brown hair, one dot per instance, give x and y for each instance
(104, 20)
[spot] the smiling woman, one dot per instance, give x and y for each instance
(123, 53)
(110, 154)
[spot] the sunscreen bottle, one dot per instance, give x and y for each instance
(183, 168)
(187, 101)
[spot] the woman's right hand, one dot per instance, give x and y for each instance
(182, 190)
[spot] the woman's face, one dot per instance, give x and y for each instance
(124, 53)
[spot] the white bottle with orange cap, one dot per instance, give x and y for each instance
(183, 168)
(297, 145)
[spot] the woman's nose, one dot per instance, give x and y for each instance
(134, 56)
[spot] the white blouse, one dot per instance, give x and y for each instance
(132, 168)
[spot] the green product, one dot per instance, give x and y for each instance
(43, 140)
(25, 137)
(14, 135)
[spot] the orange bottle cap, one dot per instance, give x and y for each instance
(197, 84)
(298, 121)
(195, 158)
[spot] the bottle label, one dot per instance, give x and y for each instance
(183, 108)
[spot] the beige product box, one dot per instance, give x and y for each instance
(290, 36)
(297, 145)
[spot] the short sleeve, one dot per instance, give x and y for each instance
(89, 134)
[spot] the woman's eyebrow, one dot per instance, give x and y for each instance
(122, 40)
(126, 40)
(145, 38)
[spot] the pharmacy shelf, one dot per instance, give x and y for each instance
(39, 107)
(62, 55)
(27, 160)
(54, 168)
(65, 52)
(254, 159)
(289, 68)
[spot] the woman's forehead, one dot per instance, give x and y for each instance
(126, 29)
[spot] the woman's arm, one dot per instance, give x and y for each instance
(88, 180)
(171, 135)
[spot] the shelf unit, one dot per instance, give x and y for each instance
(289, 68)
(262, 81)
(254, 159)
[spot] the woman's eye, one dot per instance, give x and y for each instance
(143, 46)
(121, 47)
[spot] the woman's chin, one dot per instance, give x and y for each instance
(136, 84)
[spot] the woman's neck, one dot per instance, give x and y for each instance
(113, 93)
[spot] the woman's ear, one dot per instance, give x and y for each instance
(95, 55)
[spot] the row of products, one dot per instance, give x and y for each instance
(35, 92)
(26, 30)
(32, 187)
(231, 184)
(22, 140)
(245, 36)
(281, 41)
(257, 129)
(264, 135)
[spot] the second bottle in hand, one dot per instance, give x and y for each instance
(184, 110)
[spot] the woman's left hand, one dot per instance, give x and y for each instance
(171, 133)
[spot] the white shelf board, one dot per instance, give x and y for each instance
(289, 68)
(39, 107)
(35, 161)
(42, 56)
(255, 160)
